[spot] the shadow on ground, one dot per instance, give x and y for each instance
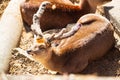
(109, 65)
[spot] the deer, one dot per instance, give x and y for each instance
(59, 13)
(71, 51)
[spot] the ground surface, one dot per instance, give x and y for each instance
(109, 65)
(3, 4)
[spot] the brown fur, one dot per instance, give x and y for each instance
(65, 12)
(72, 54)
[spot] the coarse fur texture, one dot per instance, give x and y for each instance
(93, 39)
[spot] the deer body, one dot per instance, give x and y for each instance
(92, 40)
(65, 12)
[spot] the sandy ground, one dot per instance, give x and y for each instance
(109, 65)
(3, 4)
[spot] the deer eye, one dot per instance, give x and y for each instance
(42, 47)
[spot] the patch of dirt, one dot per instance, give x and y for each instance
(3, 4)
